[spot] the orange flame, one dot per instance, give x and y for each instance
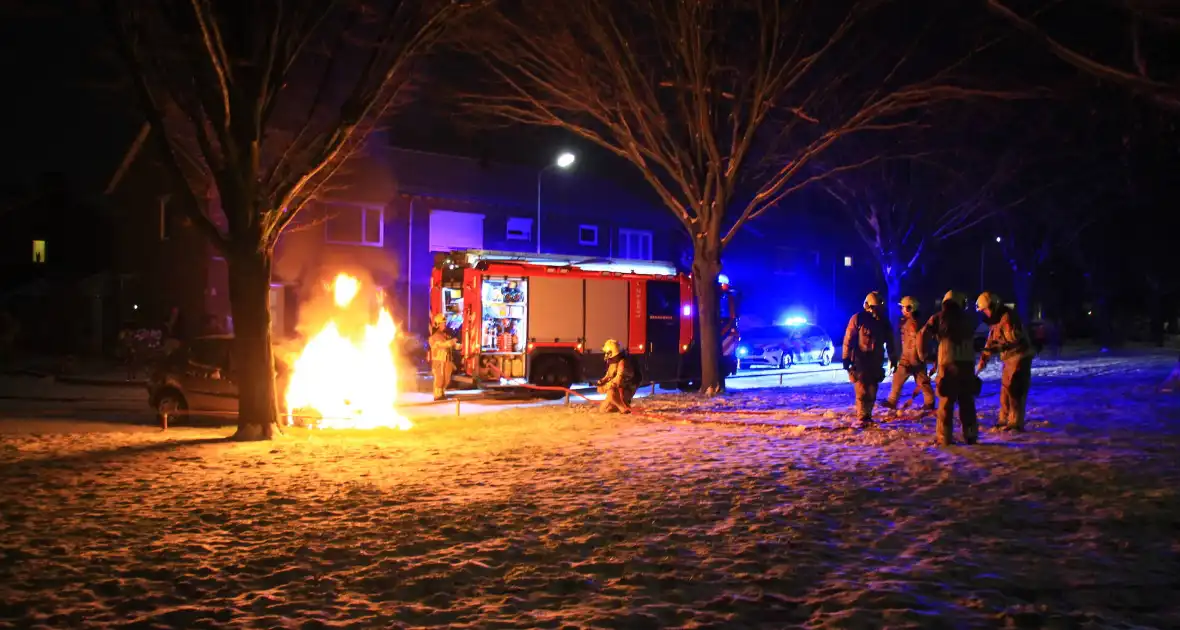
(351, 383)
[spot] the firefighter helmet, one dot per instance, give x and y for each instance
(956, 297)
(611, 348)
(439, 319)
(873, 299)
(986, 300)
(908, 301)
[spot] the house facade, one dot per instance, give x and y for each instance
(57, 291)
(386, 217)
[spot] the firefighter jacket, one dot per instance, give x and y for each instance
(865, 342)
(620, 372)
(957, 326)
(1007, 338)
(441, 345)
(911, 342)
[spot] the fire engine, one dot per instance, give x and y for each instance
(542, 319)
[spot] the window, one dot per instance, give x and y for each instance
(519, 229)
(450, 231)
(355, 225)
(635, 244)
(38, 251)
(587, 235)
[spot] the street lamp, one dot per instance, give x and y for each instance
(564, 161)
(982, 251)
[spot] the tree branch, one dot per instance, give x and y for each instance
(1165, 94)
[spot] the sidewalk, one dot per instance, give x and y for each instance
(98, 372)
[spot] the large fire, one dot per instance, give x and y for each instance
(349, 380)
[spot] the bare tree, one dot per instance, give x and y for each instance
(1031, 240)
(902, 207)
(254, 105)
(1156, 17)
(695, 94)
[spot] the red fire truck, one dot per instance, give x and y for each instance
(543, 319)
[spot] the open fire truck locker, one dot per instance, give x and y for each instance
(543, 319)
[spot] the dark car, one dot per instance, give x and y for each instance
(784, 346)
(199, 378)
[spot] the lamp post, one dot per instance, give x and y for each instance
(564, 161)
(982, 251)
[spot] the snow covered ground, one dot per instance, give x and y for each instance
(756, 509)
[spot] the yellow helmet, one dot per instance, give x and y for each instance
(957, 297)
(908, 301)
(611, 348)
(987, 299)
(873, 299)
(439, 319)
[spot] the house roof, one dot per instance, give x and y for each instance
(430, 174)
(426, 174)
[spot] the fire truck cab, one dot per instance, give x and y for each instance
(542, 319)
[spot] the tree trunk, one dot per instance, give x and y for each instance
(892, 291)
(253, 359)
(706, 266)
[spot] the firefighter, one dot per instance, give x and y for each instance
(865, 341)
(912, 363)
(1009, 339)
(619, 383)
(441, 344)
(954, 330)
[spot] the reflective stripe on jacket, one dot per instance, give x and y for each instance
(1007, 338)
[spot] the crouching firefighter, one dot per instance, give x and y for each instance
(865, 341)
(912, 362)
(954, 329)
(441, 366)
(1007, 338)
(621, 380)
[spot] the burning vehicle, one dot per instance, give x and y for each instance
(345, 375)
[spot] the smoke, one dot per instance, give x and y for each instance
(323, 300)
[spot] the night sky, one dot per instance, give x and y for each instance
(68, 115)
(64, 113)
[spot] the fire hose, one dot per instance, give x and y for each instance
(680, 414)
(684, 415)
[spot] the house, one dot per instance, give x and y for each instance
(386, 215)
(55, 285)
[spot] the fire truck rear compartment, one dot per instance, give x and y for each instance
(569, 320)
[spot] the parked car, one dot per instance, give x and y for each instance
(414, 351)
(199, 377)
(784, 346)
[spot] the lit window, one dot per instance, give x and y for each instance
(355, 225)
(38, 251)
(848, 261)
(635, 244)
(587, 234)
(519, 229)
